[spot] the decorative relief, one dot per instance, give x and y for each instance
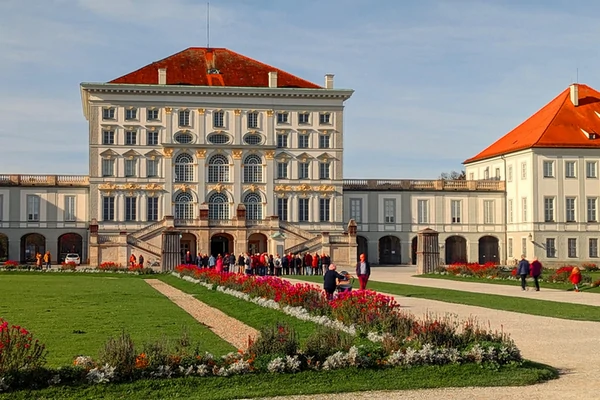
(183, 187)
(168, 110)
(236, 154)
(326, 188)
(303, 188)
(201, 111)
(168, 153)
(153, 187)
(131, 186)
(252, 187)
(283, 188)
(219, 187)
(108, 187)
(269, 113)
(237, 112)
(270, 154)
(201, 153)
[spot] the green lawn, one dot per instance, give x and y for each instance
(308, 382)
(249, 313)
(74, 314)
(513, 282)
(496, 302)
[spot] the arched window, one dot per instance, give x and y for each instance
(184, 168)
(218, 169)
(253, 204)
(218, 206)
(184, 206)
(253, 169)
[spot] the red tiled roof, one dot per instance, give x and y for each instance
(191, 67)
(558, 124)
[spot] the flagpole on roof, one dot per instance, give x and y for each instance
(207, 25)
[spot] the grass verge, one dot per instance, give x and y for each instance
(542, 308)
(74, 314)
(308, 382)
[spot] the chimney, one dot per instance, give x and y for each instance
(574, 88)
(328, 81)
(162, 76)
(273, 79)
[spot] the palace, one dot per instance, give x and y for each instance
(210, 151)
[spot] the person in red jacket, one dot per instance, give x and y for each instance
(307, 264)
(363, 271)
(575, 278)
(535, 269)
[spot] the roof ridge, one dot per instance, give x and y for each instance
(566, 94)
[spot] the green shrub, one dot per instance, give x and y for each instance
(325, 342)
(279, 339)
(119, 352)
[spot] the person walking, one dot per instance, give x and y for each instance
(523, 271)
(536, 270)
(363, 271)
(141, 261)
(575, 278)
(47, 259)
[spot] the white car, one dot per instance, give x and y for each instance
(72, 257)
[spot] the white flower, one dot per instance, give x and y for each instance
(276, 365)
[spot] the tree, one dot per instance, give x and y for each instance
(453, 176)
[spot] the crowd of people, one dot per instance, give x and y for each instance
(262, 263)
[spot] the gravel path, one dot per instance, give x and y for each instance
(229, 329)
(570, 346)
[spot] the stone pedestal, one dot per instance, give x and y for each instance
(428, 251)
(171, 256)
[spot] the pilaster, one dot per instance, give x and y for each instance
(143, 207)
(201, 126)
(168, 196)
(168, 132)
(237, 126)
(269, 173)
(270, 128)
(120, 206)
(236, 177)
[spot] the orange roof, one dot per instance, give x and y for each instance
(558, 124)
(196, 66)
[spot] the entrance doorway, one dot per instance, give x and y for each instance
(488, 250)
(456, 250)
(31, 244)
(221, 244)
(257, 243)
(70, 243)
(363, 247)
(188, 243)
(389, 250)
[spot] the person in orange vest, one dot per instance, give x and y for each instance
(47, 260)
(132, 260)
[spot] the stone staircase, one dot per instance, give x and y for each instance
(286, 226)
(309, 245)
(140, 244)
(149, 230)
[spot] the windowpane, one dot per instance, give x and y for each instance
(548, 169)
(593, 248)
(131, 138)
(510, 248)
(324, 210)
(356, 210)
(423, 211)
(389, 211)
(218, 169)
(303, 141)
(324, 118)
(455, 211)
(253, 120)
(108, 113)
(108, 208)
(282, 209)
(303, 210)
(592, 203)
(33, 207)
(324, 141)
(590, 169)
(131, 113)
(303, 118)
(550, 248)
(151, 168)
(282, 140)
(108, 137)
(572, 248)
(152, 209)
(152, 115)
(108, 167)
(184, 206)
(524, 209)
(282, 170)
(184, 118)
(184, 168)
(218, 206)
(324, 169)
(253, 204)
(569, 169)
(570, 209)
(69, 208)
(130, 167)
(152, 138)
(130, 208)
(282, 118)
(303, 169)
(549, 209)
(253, 169)
(218, 119)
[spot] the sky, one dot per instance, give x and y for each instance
(436, 81)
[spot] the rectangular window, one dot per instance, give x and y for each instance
(523, 170)
(282, 170)
(324, 210)
(151, 168)
(524, 246)
(303, 141)
(471, 176)
(591, 168)
(152, 209)
(593, 248)
(219, 119)
(282, 118)
(130, 208)
(356, 210)
(69, 208)
(510, 173)
(524, 209)
(550, 248)
(325, 118)
(389, 211)
(324, 170)
(572, 248)
(570, 169)
(511, 215)
(548, 169)
(108, 137)
(303, 168)
(488, 212)
(152, 138)
(486, 173)
(152, 115)
(131, 113)
(423, 211)
(184, 118)
(592, 205)
(108, 208)
(131, 138)
(282, 140)
(510, 248)
(303, 118)
(282, 209)
(253, 119)
(324, 141)
(33, 207)
(303, 210)
(455, 211)
(497, 174)
(570, 209)
(108, 113)
(548, 209)
(108, 167)
(130, 167)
